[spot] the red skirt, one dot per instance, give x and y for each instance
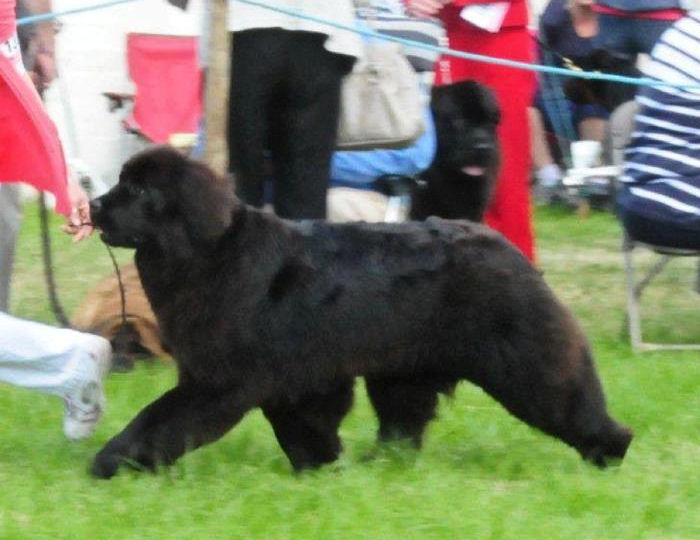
(30, 150)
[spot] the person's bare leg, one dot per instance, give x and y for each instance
(541, 156)
(592, 129)
(546, 171)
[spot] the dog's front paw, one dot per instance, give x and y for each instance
(117, 453)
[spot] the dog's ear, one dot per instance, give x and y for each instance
(489, 104)
(442, 101)
(207, 202)
(466, 99)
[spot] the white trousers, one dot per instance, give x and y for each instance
(42, 357)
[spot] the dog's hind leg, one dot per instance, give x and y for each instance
(563, 398)
(307, 429)
(181, 420)
(404, 406)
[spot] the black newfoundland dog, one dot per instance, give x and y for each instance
(262, 312)
(460, 181)
(609, 94)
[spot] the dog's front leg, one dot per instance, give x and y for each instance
(182, 419)
(307, 429)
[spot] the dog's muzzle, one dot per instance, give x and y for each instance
(96, 210)
(108, 234)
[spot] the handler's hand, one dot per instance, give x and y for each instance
(425, 8)
(79, 223)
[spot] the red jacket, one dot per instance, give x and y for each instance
(7, 19)
(30, 150)
(517, 15)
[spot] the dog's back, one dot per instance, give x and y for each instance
(438, 287)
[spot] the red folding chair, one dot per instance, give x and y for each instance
(168, 81)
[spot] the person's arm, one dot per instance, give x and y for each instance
(43, 63)
(42, 72)
(430, 8)
(362, 168)
(425, 8)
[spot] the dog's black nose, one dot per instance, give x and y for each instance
(95, 207)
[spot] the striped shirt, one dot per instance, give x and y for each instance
(661, 179)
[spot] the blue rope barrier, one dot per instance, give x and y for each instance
(564, 72)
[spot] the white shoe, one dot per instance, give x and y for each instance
(84, 405)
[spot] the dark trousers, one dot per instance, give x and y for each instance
(658, 232)
(284, 98)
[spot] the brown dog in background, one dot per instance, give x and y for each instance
(134, 333)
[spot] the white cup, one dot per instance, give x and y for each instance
(585, 154)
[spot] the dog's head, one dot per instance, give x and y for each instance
(164, 200)
(609, 94)
(466, 116)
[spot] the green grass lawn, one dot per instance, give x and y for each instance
(481, 474)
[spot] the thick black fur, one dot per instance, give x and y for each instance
(262, 312)
(466, 117)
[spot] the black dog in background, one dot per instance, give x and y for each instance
(460, 181)
(261, 312)
(609, 94)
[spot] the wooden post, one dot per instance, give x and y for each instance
(217, 87)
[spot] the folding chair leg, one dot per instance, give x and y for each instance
(651, 274)
(634, 294)
(633, 315)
